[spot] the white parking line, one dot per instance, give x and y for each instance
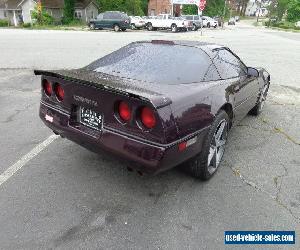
(25, 159)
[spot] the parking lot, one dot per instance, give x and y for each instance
(56, 194)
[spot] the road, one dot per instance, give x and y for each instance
(66, 197)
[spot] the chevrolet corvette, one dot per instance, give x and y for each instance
(156, 103)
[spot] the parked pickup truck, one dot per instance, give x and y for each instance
(166, 21)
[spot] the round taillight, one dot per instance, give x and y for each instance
(148, 118)
(124, 111)
(59, 92)
(47, 87)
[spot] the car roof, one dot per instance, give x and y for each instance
(205, 46)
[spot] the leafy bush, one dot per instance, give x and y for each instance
(293, 12)
(42, 19)
(282, 25)
(77, 23)
(4, 23)
(26, 25)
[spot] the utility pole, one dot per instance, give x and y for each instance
(224, 12)
(6, 6)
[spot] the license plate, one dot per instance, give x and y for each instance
(90, 118)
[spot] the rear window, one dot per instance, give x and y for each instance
(165, 64)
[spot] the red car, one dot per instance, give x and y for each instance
(156, 103)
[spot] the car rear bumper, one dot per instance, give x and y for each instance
(145, 156)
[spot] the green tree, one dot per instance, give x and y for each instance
(214, 8)
(134, 7)
(190, 9)
(144, 5)
(69, 9)
(293, 11)
(43, 18)
(131, 7)
(278, 8)
(282, 6)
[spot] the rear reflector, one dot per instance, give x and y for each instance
(148, 118)
(47, 87)
(59, 91)
(124, 111)
(182, 146)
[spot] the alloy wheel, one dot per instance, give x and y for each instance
(217, 146)
(263, 97)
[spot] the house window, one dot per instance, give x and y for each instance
(78, 14)
(5, 14)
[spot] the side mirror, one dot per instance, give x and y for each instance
(252, 72)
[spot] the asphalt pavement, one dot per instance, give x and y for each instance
(55, 194)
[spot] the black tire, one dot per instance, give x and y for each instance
(201, 166)
(194, 28)
(258, 108)
(123, 29)
(149, 27)
(116, 28)
(208, 25)
(92, 26)
(174, 28)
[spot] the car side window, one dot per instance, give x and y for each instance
(228, 65)
(196, 18)
(115, 16)
(100, 16)
(106, 16)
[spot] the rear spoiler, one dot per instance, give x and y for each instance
(156, 99)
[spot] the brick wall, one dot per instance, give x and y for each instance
(156, 7)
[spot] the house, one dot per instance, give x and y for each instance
(11, 11)
(156, 7)
(256, 7)
(19, 11)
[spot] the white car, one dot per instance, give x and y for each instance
(136, 22)
(209, 22)
(297, 24)
(231, 21)
(166, 21)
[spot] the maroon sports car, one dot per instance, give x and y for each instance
(156, 103)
